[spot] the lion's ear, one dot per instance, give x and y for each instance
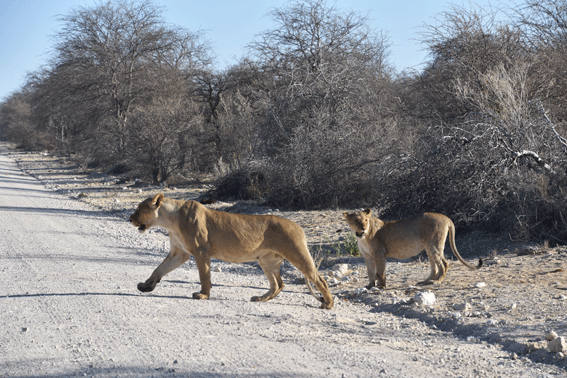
(157, 200)
(368, 211)
(345, 214)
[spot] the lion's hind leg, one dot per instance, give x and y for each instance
(444, 269)
(439, 266)
(271, 266)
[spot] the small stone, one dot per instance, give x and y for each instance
(551, 335)
(217, 269)
(425, 298)
(333, 281)
(557, 345)
(465, 307)
(24, 329)
(480, 285)
(455, 315)
(340, 268)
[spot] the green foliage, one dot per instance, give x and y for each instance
(351, 245)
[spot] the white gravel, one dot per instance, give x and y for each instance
(69, 307)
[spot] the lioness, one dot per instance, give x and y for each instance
(205, 234)
(402, 239)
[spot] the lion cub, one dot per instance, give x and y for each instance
(402, 239)
(237, 238)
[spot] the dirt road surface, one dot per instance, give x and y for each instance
(69, 307)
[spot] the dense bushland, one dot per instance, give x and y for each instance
(315, 116)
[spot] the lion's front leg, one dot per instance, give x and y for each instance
(371, 268)
(174, 259)
(381, 270)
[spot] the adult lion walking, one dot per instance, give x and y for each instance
(237, 238)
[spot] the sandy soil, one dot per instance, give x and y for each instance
(69, 304)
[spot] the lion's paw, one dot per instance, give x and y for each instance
(144, 287)
(200, 296)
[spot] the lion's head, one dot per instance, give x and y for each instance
(358, 222)
(147, 212)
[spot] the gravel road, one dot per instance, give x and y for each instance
(69, 307)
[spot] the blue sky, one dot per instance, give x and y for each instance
(26, 27)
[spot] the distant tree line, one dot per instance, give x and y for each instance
(315, 116)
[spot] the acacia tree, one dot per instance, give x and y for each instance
(462, 44)
(544, 24)
(15, 120)
(159, 142)
(325, 101)
(316, 57)
(113, 57)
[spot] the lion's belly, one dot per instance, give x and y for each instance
(404, 250)
(234, 256)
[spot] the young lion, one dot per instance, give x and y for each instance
(205, 234)
(402, 239)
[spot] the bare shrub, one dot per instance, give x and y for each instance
(158, 138)
(501, 168)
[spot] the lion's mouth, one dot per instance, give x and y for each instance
(360, 234)
(142, 228)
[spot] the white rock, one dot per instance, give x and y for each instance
(340, 268)
(557, 345)
(333, 281)
(462, 306)
(455, 315)
(480, 285)
(551, 335)
(361, 290)
(425, 298)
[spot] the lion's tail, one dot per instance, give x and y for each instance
(308, 283)
(456, 253)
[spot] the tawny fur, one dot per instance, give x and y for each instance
(402, 239)
(204, 233)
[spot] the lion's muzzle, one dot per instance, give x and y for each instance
(141, 226)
